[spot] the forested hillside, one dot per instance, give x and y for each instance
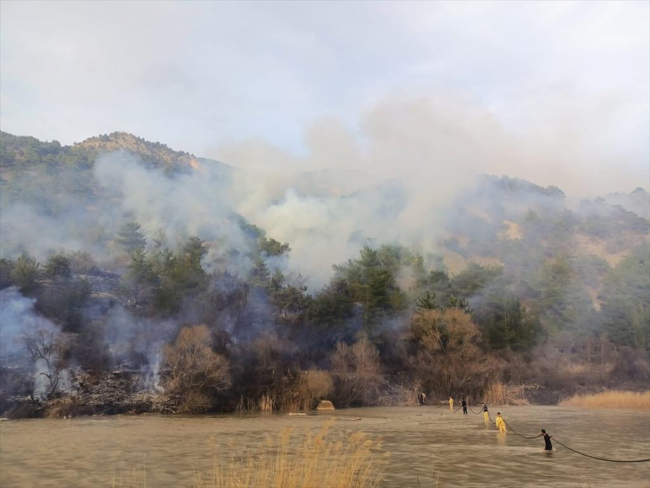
(131, 281)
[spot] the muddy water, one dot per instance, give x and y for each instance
(426, 444)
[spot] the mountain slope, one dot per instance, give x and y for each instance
(23, 152)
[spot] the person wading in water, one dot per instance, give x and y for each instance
(486, 415)
(547, 441)
(464, 404)
(501, 424)
(451, 403)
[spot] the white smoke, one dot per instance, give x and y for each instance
(18, 320)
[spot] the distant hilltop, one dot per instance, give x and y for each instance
(27, 152)
(26, 155)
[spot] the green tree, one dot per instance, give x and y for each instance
(6, 267)
(58, 267)
(130, 237)
(427, 301)
(260, 275)
(473, 279)
(25, 274)
(141, 278)
(372, 285)
(625, 312)
(562, 298)
(271, 247)
(329, 313)
(187, 274)
(509, 325)
(159, 239)
(460, 303)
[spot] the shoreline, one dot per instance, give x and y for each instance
(45, 411)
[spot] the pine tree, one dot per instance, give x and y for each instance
(130, 237)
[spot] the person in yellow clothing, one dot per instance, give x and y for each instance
(486, 415)
(501, 424)
(451, 403)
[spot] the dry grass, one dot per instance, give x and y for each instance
(313, 461)
(399, 395)
(351, 462)
(610, 399)
(266, 403)
(501, 394)
(125, 477)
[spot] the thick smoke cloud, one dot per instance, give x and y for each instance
(396, 179)
(194, 204)
(26, 228)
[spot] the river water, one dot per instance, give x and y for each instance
(426, 444)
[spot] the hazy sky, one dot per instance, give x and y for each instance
(201, 75)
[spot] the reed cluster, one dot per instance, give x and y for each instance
(610, 399)
(352, 461)
(325, 459)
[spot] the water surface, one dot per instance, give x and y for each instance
(426, 443)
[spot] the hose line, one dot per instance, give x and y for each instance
(579, 452)
(602, 459)
(517, 433)
(597, 458)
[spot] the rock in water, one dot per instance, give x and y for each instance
(325, 405)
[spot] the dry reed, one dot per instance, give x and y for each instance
(352, 462)
(501, 394)
(266, 403)
(321, 460)
(610, 399)
(130, 477)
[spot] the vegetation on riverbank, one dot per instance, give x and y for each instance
(115, 301)
(610, 399)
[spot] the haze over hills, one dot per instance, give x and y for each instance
(474, 224)
(115, 243)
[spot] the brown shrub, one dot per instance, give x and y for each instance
(195, 401)
(498, 393)
(447, 358)
(357, 372)
(314, 386)
(400, 395)
(46, 349)
(194, 373)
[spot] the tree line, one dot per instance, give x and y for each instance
(388, 325)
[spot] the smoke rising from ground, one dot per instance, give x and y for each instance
(391, 181)
(23, 332)
(18, 317)
(395, 180)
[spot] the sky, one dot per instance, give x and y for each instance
(566, 85)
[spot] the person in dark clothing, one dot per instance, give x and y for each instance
(464, 404)
(486, 415)
(547, 441)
